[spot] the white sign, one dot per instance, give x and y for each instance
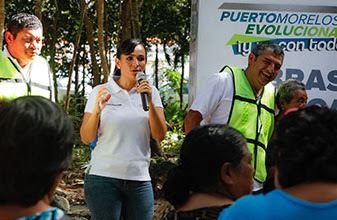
(224, 33)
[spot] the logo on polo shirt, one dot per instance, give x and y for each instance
(114, 104)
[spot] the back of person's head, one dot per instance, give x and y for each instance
(126, 48)
(35, 147)
(202, 155)
(267, 45)
(287, 90)
(21, 21)
(306, 149)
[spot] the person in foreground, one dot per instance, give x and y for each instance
(306, 168)
(214, 170)
(36, 145)
(117, 181)
(245, 100)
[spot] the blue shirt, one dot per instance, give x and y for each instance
(278, 205)
(50, 214)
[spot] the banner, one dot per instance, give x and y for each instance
(224, 33)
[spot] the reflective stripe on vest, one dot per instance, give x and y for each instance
(13, 85)
(254, 119)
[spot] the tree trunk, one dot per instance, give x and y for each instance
(182, 80)
(156, 66)
(134, 20)
(53, 50)
(125, 20)
(102, 52)
(2, 21)
(129, 11)
(38, 6)
(77, 42)
(139, 4)
(106, 29)
(90, 37)
(76, 75)
(83, 76)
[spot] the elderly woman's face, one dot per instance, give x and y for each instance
(298, 101)
(243, 178)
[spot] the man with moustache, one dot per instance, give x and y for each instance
(22, 71)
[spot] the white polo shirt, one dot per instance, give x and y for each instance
(123, 146)
(214, 101)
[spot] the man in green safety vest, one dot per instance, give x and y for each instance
(22, 71)
(244, 99)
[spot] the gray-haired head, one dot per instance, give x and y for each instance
(267, 45)
(287, 90)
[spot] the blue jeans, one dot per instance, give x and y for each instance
(110, 198)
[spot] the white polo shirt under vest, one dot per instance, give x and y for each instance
(214, 101)
(123, 146)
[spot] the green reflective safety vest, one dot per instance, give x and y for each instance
(13, 84)
(253, 118)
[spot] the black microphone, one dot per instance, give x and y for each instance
(142, 76)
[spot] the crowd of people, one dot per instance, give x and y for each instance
(242, 138)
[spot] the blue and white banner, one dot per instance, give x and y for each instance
(224, 33)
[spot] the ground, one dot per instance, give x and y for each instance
(69, 195)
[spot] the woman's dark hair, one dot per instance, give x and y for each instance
(35, 146)
(126, 48)
(306, 146)
(202, 154)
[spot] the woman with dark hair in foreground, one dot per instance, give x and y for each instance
(214, 170)
(306, 168)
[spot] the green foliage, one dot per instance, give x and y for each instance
(81, 153)
(164, 19)
(172, 142)
(65, 15)
(76, 112)
(174, 115)
(169, 21)
(18, 6)
(169, 93)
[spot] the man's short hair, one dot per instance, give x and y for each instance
(36, 144)
(21, 21)
(267, 45)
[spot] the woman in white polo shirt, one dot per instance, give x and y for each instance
(117, 182)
